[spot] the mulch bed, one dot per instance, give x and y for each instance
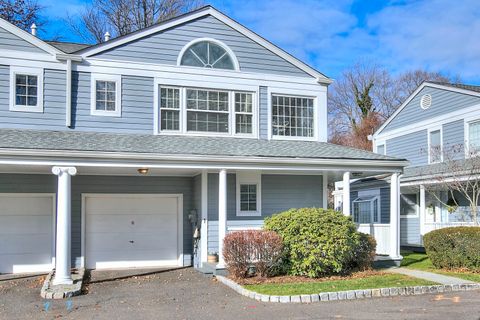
(297, 279)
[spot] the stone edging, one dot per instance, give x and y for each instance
(50, 291)
(348, 295)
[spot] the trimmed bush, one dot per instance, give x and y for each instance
(455, 247)
(317, 242)
(258, 248)
(363, 253)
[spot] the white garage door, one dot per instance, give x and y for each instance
(26, 232)
(124, 231)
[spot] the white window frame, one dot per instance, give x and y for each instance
(417, 208)
(430, 130)
(288, 93)
(249, 178)
(180, 105)
(183, 112)
(371, 201)
(118, 94)
(467, 122)
(31, 71)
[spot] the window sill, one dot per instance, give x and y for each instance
(409, 216)
(248, 214)
(26, 109)
(106, 114)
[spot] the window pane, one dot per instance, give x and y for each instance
(26, 90)
(362, 212)
(21, 100)
(32, 101)
(207, 122)
(100, 85)
(474, 136)
(435, 146)
(408, 204)
(110, 106)
(292, 116)
(248, 197)
(21, 79)
(207, 54)
(32, 80)
(170, 120)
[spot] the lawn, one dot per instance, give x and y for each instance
(420, 261)
(381, 280)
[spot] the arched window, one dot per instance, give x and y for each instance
(208, 53)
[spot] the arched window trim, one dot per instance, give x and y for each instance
(221, 44)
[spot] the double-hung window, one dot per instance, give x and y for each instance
(26, 89)
(106, 95)
(473, 138)
(170, 109)
(248, 194)
(243, 113)
(435, 146)
(366, 209)
(207, 111)
(292, 116)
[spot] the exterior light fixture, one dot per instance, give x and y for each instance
(143, 170)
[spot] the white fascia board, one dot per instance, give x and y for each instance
(423, 85)
(320, 78)
(359, 164)
(28, 37)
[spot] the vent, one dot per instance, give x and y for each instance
(426, 101)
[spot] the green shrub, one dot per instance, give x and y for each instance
(455, 247)
(317, 242)
(363, 253)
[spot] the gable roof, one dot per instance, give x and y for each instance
(201, 12)
(68, 47)
(37, 42)
(455, 87)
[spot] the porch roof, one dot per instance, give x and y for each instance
(443, 169)
(15, 139)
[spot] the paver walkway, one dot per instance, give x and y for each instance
(430, 276)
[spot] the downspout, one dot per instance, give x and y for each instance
(68, 103)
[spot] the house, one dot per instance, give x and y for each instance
(437, 124)
(115, 155)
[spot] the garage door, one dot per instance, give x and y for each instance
(124, 231)
(26, 232)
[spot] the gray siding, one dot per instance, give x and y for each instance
(454, 140)
(54, 95)
(410, 231)
(137, 106)
(443, 101)
(263, 113)
(164, 48)
(23, 183)
(9, 41)
(412, 146)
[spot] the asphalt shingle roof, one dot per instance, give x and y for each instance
(68, 47)
(458, 85)
(178, 145)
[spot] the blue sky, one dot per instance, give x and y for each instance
(331, 35)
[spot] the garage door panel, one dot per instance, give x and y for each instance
(23, 224)
(26, 232)
(29, 205)
(128, 223)
(113, 241)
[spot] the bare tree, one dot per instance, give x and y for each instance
(457, 175)
(22, 13)
(120, 17)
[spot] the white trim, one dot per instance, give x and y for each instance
(372, 216)
(180, 253)
(251, 178)
(429, 131)
(198, 14)
(118, 94)
(227, 49)
(54, 216)
(466, 125)
(39, 73)
(68, 93)
(29, 38)
(204, 215)
(407, 101)
(325, 190)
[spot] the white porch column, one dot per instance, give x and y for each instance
(63, 245)
(395, 216)
(346, 194)
(222, 214)
(204, 226)
(422, 212)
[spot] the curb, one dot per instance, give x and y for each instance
(49, 291)
(349, 295)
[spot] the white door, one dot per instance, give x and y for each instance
(125, 231)
(26, 232)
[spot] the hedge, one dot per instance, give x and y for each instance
(454, 247)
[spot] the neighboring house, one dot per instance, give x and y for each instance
(111, 155)
(438, 122)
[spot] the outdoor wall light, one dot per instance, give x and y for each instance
(143, 170)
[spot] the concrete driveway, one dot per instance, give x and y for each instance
(186, 294)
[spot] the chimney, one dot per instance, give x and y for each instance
(107, 36)
(33, 29)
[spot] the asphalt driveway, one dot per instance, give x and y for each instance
(186, 294)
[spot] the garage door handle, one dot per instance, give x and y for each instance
(131, 241)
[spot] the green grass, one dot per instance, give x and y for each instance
(420, 261)
(368, 282)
